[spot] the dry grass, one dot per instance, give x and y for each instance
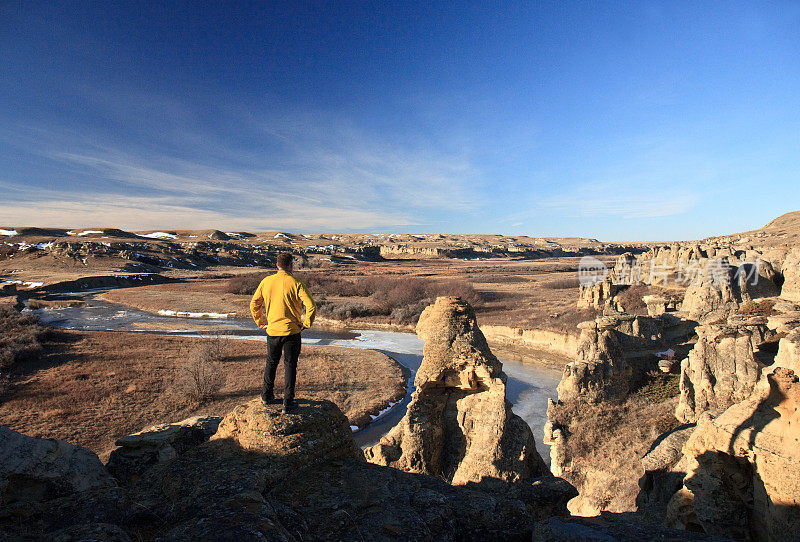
(562, 284)
(763, 307)
(503, 292)
(605, 442)
(90, 388)
(631, 299)
(19, 337)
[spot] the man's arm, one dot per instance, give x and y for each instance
(308, 303)
(256, 304)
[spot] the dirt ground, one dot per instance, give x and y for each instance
(90, 388)
(538, 294)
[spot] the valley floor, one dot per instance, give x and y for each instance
(91, 388)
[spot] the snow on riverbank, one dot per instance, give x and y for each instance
(182, 314)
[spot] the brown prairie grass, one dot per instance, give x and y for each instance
(763, 307)
(606, 440)
(91, 388)
(19, 337)
(503, 292)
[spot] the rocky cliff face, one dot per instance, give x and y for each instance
(743, 466)
(736, 473)
(263, 476)
(722, 368)
(459, 425)
(791, 276)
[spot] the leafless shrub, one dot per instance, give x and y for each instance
(244, 284)
(19, 337)
(202, 375)
(631, 299)
(763, 307)
(457, 288)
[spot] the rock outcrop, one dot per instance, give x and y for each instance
(743, 466)
(263, 476)
(722, 368)
(596, 295)
(33, 469)
(53, 490)
(721, 287)
(605, 346)
(459, 425)
(711, 294)
(158, 444)
(791, 276)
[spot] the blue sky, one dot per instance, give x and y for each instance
(615, 120)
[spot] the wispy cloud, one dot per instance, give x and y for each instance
(142, 213)
(621, 199)
(324, 176)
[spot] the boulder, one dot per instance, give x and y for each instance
(157, 444)
(54, 490)
(459, 425)
(743, 465)
(316, 432)
(656, 304)
(34, 469)
(721, 369)
(711, 295)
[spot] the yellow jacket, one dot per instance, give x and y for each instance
(281, 296)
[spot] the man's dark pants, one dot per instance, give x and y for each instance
(289, 346)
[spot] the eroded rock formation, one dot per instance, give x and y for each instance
(459, 424)
(743, 466)
(263, 476)
(791, 276)
(158, 444)
(722, 368)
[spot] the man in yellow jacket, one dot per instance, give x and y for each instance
(282, 297)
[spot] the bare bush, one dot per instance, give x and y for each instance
(631, 299)
(201, 376)
(244, 284)
(19, 337)
(606, 440)
(401, 299)
(763, 307)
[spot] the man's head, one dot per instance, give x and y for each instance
(285, 261)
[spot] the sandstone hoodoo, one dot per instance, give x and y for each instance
(723, 367)
(742, 467)
(459, 425)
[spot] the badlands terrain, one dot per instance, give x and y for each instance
(675, 414)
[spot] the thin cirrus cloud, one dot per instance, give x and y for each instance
(142, 213)
(624, 201)
(338, 183)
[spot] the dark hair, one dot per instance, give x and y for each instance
(285, 260)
